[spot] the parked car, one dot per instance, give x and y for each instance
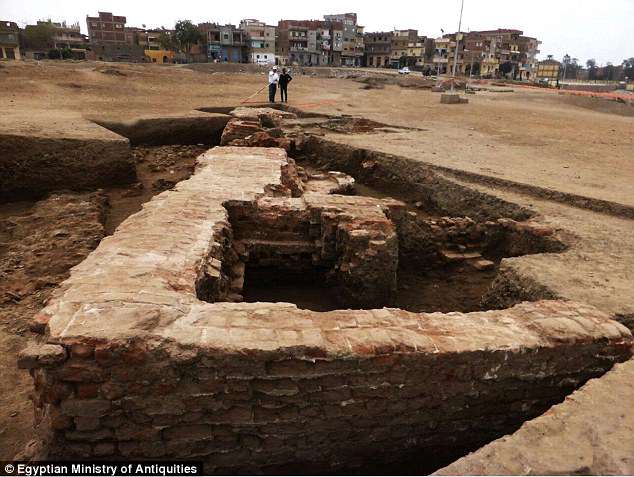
(403, 71)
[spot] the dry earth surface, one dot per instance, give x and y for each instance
(530, 136)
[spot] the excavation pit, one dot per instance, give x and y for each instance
(150, 354)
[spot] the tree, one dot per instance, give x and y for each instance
(187, 35)
(628, 68)
(38, 37)
(167, 41)
(566, 62)
(592, 68)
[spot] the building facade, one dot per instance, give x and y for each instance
(309, 42)
(260, 39)
(378, 49)
(226, 43)
(488, 53)
(9, 40)
(401, 41)
(106, 29)
(111, 41)
(547, 72)
(352, 48)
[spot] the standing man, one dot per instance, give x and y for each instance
(274, 78)
(285, 78)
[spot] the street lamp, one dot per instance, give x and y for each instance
(455, 59)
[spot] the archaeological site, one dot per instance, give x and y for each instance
(312, 288)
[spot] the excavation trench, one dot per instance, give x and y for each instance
(303, 250)
(187, 370)
(384, 232)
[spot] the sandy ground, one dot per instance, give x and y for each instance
(528, 136)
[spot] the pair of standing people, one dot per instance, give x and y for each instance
(282, 80)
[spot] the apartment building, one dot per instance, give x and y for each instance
(260, 41)
(106, 28)
(353, 50)
(492, 53)
(401, 41)
(378, 49)
(547, 72)
(309, 42)
(9, 40)
(226, 43)
(111, 41)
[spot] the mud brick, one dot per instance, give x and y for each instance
(87, 390)
(105, 355)
(89, 436)
(81, 371)
(55, 392)
(188, 432)
(103, 449)
(278, 387)
(145, 449)
(134, 432)
(58, 420)
(111, 390)
(85, 407)
(482, 264)
(36, 356)
(39, 323)
(82, 351)
(86, 423)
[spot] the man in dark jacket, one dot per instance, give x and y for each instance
(285, 78)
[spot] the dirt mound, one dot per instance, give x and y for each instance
(415, 82)
(379, 82)
(348, 125)
(110, 71)
(372, 82)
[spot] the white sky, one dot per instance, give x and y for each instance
(603, 30)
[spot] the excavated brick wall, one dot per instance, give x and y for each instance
(351, 238)
(334, 389)
(136, 365)
(424, 241)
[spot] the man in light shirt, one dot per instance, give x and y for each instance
(274, 78)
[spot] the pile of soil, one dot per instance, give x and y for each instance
(347, 125)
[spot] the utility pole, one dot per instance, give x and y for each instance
(455, 60)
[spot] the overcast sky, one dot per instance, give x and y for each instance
(603, 30)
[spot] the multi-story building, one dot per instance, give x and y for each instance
(493, 53)
(353, 43)
(401, 47)
(226, 43)
(9, 40)
(110, 41)
(67, 36)
(309, 42)
(529, 47)
(547, 71)
(106, 29)
(260, 41)
(378, 49)
(442, 47)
